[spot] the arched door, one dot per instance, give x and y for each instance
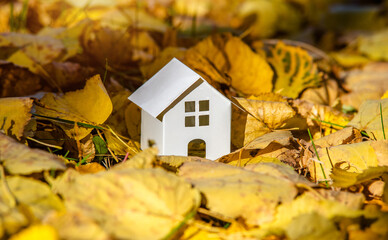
(197, 147)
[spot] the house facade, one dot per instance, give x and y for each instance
(178, 108)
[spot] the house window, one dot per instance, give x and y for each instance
(204, 120)
(190, 121)
(190, 106)
(193, 113)
(204, 105)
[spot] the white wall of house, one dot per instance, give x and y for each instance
(216, 136)
(151, 129)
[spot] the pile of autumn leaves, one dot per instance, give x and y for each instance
(248, 194)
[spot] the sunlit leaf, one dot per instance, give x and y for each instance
(369, 118)
(225, 56)
(264, 117)
(235, 192)
(294, 68)
(17, 158)
(90, 105)
(143, 203)
(14, 115)
(36, 232)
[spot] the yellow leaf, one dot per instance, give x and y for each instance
(14, 115)
(143, 203)
(328, 204)
(344, 179)
(90, 105)
(264, 117)
(319, 227)
(20, 159)
(118, 146)
(294, 68)
(235, 192)
(374, 46)
(37, 232)
(132, 116)
(75, 225)
(39, 49)
(369, 118)
(162, 59)
(385, 95)
(349, 60)
(142, 160)
(92, 167)
(224, 58)
(356, 156)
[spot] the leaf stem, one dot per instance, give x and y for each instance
(382, 120)
(316, 153)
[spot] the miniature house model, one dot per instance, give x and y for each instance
(180, 107)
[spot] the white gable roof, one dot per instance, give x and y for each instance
(162, 89)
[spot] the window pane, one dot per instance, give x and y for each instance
(204, 105)
(204, 120)
(190, 106)
(190, 121)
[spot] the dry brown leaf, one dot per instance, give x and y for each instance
(235, 192)
(20, 159)
(143, 203)
(221, 57)
(17, 81)
(14, 115)
(339, 137)
(90, 105)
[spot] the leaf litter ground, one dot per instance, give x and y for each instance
(71, 166)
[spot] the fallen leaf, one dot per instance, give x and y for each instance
(264, 117)
(374, 46)
(319, 227)
(14, 115)
(330, 205)
(36, 232)
(339, 137)
(40, 49)
(327, 94)
(343, 178)
(75, 225)
(132, 116)
(90, 105)
(92, 167)
(280, 137)
(220, 56)
(117, 144)
(265, 18)
(369, 118)
(162, 59)
(357, 156)
(20, 159)
(17, 81)
(142, 160)
(143, 203)
(294, 69)
(34, 195)
(235, 192)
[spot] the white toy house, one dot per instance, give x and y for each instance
(179, 107)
